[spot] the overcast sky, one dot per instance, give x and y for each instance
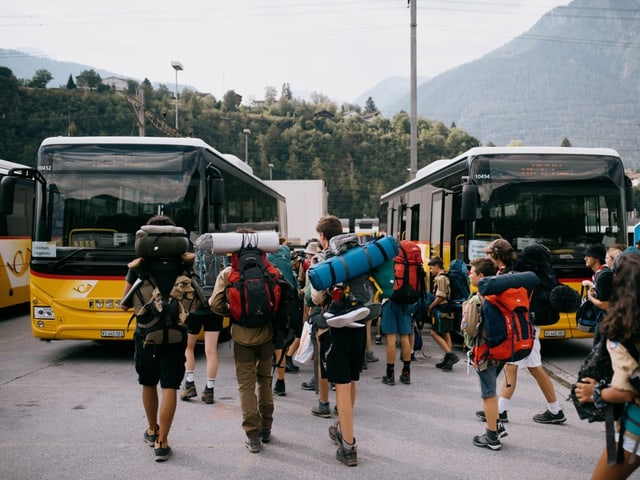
(340, 48)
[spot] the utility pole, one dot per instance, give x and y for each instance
(413, 166)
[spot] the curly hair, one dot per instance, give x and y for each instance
(622, 321)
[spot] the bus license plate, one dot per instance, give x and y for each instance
(554, 333)
(112, 333)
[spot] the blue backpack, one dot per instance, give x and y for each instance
(458, 286)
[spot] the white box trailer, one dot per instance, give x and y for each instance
(307, 201)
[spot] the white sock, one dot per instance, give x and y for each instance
(503, 404)
(554, 407)
(211, 382)
(189, 376)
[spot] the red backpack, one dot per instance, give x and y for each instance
(408, 272)
(253, 289)
(508, 330)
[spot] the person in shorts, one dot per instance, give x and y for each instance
(442, 322)
(212, 324)
(395, 320)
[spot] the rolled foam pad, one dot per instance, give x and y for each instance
(231, 242)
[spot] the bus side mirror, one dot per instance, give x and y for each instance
(7, 189)
(628, 194)
(469, 207)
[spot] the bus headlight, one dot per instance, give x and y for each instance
(43, 313)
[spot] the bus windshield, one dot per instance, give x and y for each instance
(99, 198)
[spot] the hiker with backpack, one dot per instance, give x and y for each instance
(247, 291)
(442, 322)
(620, 327)
(158, 285)
(601, 284)
(501, 253)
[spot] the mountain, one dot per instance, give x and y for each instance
(385, 94)
(574, 74)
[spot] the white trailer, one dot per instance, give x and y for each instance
(306, 202)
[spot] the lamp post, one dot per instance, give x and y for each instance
(176, 66)
(271, 171)
(246, 132)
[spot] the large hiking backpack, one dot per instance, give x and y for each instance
(208, 264)
(164, 296)
(506, 322)
(282, 260)
(458, 287)
(536, 258)
(408, 272)
(253, 289)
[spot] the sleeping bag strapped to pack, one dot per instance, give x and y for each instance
(353, 262)
(161, 241)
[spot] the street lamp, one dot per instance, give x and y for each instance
(176, 66)
(271, 171)
(246, 132)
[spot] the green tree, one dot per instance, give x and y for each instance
(370, 106)
(270, 95)
(286, 91)
(41, 78)
(89, 79)
(565, 142)
(231, 101)
(71, 85)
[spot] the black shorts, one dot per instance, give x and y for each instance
(325, 344)
(212, 322)
(346, 354)
(162, 364)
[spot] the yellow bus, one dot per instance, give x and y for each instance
(16, 215)
(563, 198)
(95, 192)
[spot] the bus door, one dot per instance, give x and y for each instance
(440, 231)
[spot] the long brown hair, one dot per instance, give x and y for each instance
(622, 321)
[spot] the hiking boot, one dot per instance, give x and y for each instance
(388, 380)
(348, 456)
(189, 391)
(405, 378)
(335, 434)
(290, 367)
(265, 435)
(548, 417)
(442, 362)
(450, 360)
(370, 357)
(345, 312)
(151, 439)
(489, 440)
(322, 410)
(310, 385)
(161, 453)
(207, 395)
(253, 444)
(279, 388)
(502, 417)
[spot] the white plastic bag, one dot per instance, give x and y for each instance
(304, 354)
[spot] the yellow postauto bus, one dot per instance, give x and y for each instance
(16, 216)
(92, 195)
(563, 198)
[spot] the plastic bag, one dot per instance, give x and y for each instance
(304, 354)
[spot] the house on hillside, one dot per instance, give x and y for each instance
(116, 83)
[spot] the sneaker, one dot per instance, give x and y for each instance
(502, 417)
(151, 439)
(378, 340)
(265, 435)
(253, 444)
(348, 456)
(279, 389)
(405, 378)
(189, 391)
(335, 434)
(501, 431)
(489, 440)
(322, 410)
(162, 453)
(290, 367)
(370, 357)
(310, 385)
(346, 312)
(451, 360)
(388, 380)
(207, 395)
(548, 417)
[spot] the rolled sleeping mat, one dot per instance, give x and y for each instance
(161, 241)
(356, 261)
(500, 283)
(230, 242)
